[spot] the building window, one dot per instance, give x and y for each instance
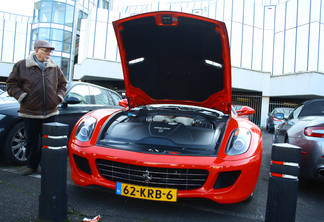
(36, 12)
(105, 4)
(65, 65)
(81, 16)
(45, 14)
(57, 35)
(34, 34)
(58, 12)
(69, 15)
(57, 45)
(43, 33)
(66, 48)
(56, 59)
(67, 36)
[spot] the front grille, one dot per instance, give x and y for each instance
(182, 179)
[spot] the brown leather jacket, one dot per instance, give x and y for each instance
(38, 92)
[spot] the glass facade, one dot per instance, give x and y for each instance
(272, 36)
(53, 21)
(14, 37)
(276, 36)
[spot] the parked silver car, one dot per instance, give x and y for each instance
(305, 128)
(272, 121)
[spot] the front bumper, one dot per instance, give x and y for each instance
(225, 182)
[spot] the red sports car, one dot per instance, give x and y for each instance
(178, 136)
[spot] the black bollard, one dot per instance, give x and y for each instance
(283, 183)
(53, 196)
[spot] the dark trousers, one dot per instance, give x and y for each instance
(33, 129)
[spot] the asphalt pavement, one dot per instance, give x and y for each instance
(20, 201)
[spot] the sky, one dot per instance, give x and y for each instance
(22, 7)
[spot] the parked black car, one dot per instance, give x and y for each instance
(5, 97)
(80, 98)
(305, 128)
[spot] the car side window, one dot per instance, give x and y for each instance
(115, 97)
(316, 108)
(101, 96)
(81, 92)
(296, 112)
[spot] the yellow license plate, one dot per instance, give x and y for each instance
(147, 193)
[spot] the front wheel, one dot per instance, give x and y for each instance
(15, 145)
(286, 139)
(269, 128)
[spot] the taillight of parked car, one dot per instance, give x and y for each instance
(317, 131)
(276, 119)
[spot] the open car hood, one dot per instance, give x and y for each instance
(175, 58)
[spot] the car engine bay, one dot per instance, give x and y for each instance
(165, 130)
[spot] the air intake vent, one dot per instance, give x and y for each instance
(205, 125)
(182, 179)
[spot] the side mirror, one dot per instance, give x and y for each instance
(123, 103)
(280, 116)
(72, 100)
(245, 110)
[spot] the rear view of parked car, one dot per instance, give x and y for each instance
(305, 128)
(273, 121)
(80, 98)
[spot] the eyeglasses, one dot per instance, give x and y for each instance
(48, 51)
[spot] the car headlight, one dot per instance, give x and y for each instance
(85, 129)
(239, 142)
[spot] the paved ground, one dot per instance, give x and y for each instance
(20, 199)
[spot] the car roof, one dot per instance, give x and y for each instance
(313, 107)
(70, 84)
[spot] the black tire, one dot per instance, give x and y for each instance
(14, 149)
(286, 139)
(269, 129)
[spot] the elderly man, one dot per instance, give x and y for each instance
(39, 86)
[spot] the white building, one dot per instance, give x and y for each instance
(277, 46)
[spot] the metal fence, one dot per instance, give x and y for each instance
(289, 103)
(253, 100)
